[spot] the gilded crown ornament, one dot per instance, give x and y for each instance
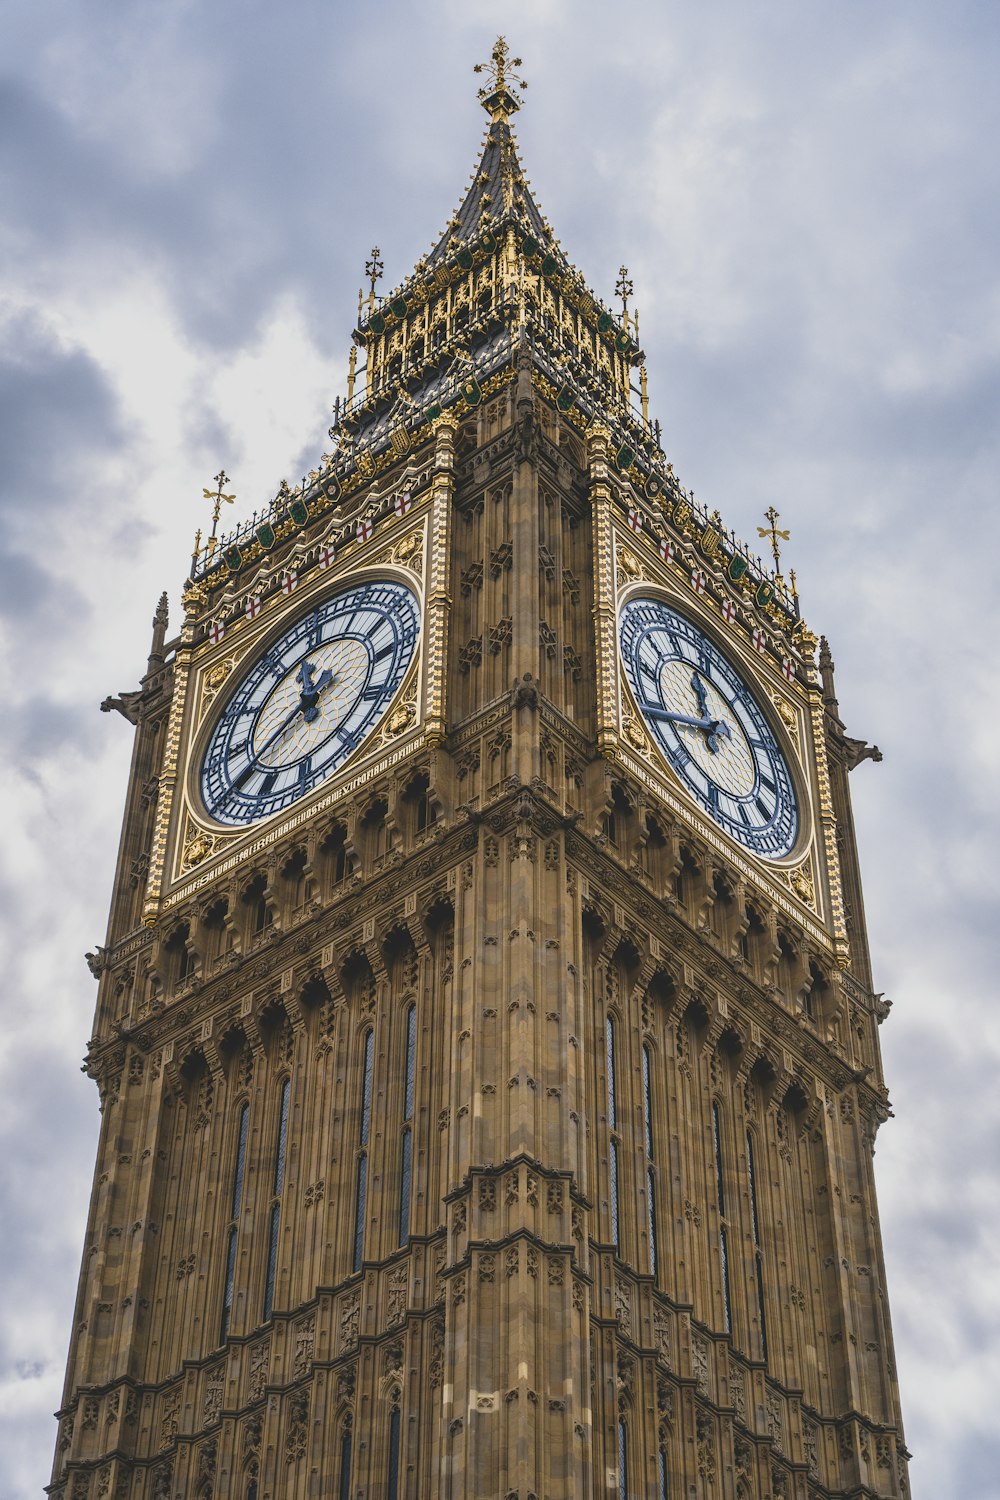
(496, 98)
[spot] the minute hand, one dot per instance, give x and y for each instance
(716, 729)
(256, 756)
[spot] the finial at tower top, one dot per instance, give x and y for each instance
(496, 98)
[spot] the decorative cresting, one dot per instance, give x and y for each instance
(486, 1112)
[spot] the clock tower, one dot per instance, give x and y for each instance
(486, 1046)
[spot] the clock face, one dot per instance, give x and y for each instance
(309, 701)
(710, 727)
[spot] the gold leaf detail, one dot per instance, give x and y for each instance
(197, 849)
(802, 885)
(399, 719)
(628, 564)
(635, 736)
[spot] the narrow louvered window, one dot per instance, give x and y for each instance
(647, 1106)
(723, 1224)
(758, 1253)
(406, 1144)
(275, 1216)
(233, 1233)
(392, 1488)
(345, 1466)
(622, 1459)
(361, 1195)
(613, 1184)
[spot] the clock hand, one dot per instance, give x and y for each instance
(717, 728)
(255, 756)
(311, 690)
(699, 688)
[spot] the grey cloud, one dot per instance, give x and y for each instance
(56, 409)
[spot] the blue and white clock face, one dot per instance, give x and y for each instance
(710, 727)
(309, 701)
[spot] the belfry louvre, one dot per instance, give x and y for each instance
(486, 1043)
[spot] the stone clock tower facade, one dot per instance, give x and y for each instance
(485, 1038)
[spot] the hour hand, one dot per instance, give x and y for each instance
(311, 689)
(716, 729)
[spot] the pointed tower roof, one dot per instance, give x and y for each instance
(499, 190)
(495, 291)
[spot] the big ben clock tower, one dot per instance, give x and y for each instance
(485, 1038)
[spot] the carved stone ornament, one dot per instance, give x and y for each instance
(634, 734)
(197, 847)
(214, 678)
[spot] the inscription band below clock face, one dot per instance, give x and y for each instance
(309, 701)
(710, 727)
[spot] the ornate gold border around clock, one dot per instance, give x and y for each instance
(795, 881)
(202, 673)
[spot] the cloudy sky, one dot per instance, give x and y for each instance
(806, 195)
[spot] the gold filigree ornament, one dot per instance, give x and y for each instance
(408, 552)
(197, 849)
(633, 733)
(801, 882)
(787, 715)
(629, 566)
(401, 718)
(214, 678)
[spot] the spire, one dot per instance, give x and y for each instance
(826, 677)
(499, 189)
(160, 619)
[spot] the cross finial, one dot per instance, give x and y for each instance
(624, 290)
(774, 533)
(218, 499)
(496, 98)
(373, 270)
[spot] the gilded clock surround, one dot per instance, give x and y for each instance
(634, 1069)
